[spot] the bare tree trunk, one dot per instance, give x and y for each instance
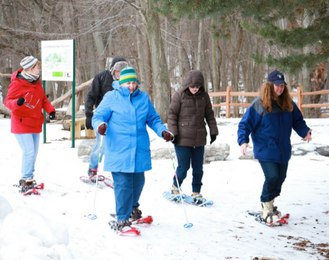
(141, 56)
(5, 82)
(184, 65)
(236, 64)
(159, 64)
(317, 83)
(199, 55)
(97, 35)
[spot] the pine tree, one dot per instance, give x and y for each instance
(305, 31)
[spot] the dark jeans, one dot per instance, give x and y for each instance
(275, 174)
(186, 156)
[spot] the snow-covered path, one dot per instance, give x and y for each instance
(54, 225)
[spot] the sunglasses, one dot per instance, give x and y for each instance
(196, 87)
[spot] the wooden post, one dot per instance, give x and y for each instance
(228, 101)
(300, 99)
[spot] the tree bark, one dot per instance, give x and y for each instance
(159, 64)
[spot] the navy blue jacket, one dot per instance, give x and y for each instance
(271, 131)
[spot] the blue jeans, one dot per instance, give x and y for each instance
(127, 191)
(186, 156)
(29, 144)
(275, 174)
(94, 156)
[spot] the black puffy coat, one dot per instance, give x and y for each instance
(101, 84)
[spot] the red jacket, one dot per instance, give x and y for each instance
(27, 118)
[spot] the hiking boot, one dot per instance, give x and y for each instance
(270, 213)
(23, 182)
(174, 190)
(27, 184)
(122, 224)
(135, 214)
(197, 197)
(92, 172)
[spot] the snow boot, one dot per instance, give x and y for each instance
(174, 190)
(27, 184)
(174, 195)
(135, 214)
(196, 199)
(92, 172)
(122, 224)
(270, 213)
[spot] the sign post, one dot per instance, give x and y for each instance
(58, 64)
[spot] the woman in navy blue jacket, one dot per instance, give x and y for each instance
(270, 120)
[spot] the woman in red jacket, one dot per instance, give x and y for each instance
(26, 99)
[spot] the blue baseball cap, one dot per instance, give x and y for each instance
(276, 77)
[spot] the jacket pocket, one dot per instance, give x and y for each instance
(32, 121)
(184, 123)
(272, 146)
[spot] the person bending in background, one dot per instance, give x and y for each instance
(270, 120)
(189, 109)
(121, 118)
(102, 83)
(26, 99)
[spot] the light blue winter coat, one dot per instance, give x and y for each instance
(127, 143)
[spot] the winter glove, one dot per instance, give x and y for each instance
(175, 139)
(212, 138)
(52, 115)
(20, 101)
(167, 136)
(102, 129)
(88, 123)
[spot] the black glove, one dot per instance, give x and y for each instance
(20, 101)
(102, 129)
(52, 115)
(174, 141)
(88, 123)
(212, 138)
(167, 136)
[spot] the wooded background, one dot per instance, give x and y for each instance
(233, 43)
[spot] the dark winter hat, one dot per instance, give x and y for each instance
(28, 62)
(276, 77)
(127, 75)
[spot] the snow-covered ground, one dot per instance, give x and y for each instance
(55, 224)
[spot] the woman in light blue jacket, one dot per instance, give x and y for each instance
(123, 114)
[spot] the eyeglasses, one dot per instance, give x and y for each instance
(196, 87)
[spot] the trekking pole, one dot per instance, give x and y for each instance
(187, 225)
(93, 216)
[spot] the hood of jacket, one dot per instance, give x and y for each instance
(193, 78)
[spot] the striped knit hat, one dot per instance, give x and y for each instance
(127, 75)
(28, 62)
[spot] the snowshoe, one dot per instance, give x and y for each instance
(91, 179)
(123, 228)
(173, 197)
(259, 218)
(141, 220)
(198, 200)
(29, 187)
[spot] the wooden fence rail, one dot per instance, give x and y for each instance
(299, 94)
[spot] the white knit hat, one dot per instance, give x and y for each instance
(28, 62)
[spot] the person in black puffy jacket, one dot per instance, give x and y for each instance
(101, 84)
